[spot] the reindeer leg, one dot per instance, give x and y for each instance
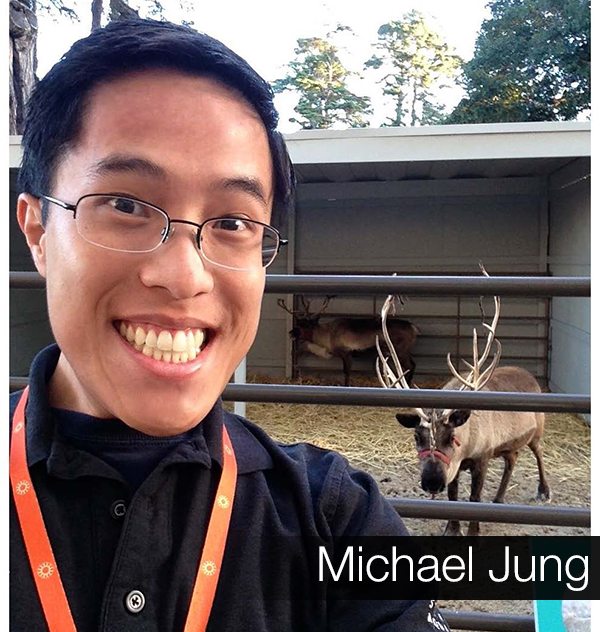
(453, 526)
(509, 464)
(478, 473)
(543, 494)
(347, 360)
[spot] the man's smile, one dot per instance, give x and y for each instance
(166, 345)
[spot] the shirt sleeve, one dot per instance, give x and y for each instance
(361, 510)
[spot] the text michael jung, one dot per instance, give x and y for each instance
(354, 566)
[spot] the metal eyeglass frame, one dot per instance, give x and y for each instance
(167, 232)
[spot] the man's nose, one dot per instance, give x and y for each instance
(178, 266)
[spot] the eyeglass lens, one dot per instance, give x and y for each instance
(128, 225)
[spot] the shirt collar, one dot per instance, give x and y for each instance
(204, 446)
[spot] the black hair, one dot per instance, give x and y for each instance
(56, 108)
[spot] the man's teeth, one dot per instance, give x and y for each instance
(182, 346)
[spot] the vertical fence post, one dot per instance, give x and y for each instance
(239, 377)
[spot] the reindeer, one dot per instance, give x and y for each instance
(449, 441)
(343, 336)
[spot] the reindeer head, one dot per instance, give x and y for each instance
(435, 430)
(436, 443)
(306, 321)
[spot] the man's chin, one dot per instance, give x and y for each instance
(163, 421)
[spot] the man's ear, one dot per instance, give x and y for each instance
(459, 417)
(29, 216)
(408, 420)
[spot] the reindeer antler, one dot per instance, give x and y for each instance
(281, 302)
(306, 305)
(325, 303)
(387, 377)
(477, 378)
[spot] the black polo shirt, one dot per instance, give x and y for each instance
(109, 541)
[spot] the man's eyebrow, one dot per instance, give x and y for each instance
(246, 184)
(119, 163)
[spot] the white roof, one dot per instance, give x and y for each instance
(498, 141)
(441, 142)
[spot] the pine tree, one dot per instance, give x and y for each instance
(320, 78)
(414, 61)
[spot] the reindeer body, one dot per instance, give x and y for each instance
(490, 433)
(343, 336)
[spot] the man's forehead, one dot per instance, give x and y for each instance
(157, 84)
(196, 121)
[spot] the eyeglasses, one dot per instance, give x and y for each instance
(130, 225)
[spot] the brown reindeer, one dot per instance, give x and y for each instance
(342, 336)
(449, 441)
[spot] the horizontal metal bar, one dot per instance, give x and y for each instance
(330, 316)
(488, 622)
(470, 337)
(492, 512)
(428, 285)
(18, 383)
(26, 281)
(319, 371)
(505, 356)
(424, 398)
(439, 356)
(408, 285)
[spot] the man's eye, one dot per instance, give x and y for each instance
(232, 224)
(129, 207)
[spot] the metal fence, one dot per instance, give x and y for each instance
(424, 286)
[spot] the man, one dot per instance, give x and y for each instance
(153, 182)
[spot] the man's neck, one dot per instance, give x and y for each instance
(65, 391)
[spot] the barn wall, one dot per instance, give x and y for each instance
(569, 255)
(428, 227)
(268, 354)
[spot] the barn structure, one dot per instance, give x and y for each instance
(429, 200)
(436, 201)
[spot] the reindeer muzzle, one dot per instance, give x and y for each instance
(436, 454)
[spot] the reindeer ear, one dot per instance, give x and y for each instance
(459, 417)
(408, 420)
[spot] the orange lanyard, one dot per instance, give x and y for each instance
(41, 558)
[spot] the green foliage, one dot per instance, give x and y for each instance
(320, 78)
(531, 63)
(414, 61)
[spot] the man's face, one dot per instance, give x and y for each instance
(196, 149)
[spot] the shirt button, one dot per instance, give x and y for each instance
(135, 601)
(118, 509)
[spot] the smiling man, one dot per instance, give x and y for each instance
(153, 182)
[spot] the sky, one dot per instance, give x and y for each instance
(264, 32)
